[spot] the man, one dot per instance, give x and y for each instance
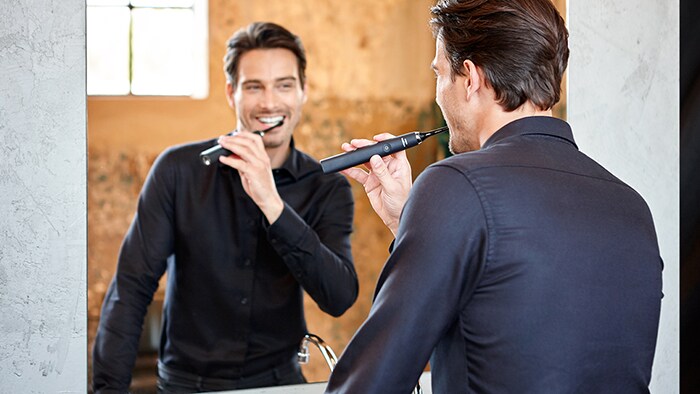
(520, 265)
(240, 240)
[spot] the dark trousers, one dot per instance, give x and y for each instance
(172, 381)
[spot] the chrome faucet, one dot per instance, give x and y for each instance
(328, 354)
(326, 351)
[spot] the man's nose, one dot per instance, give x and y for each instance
(269, 99)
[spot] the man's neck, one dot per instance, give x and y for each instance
(278, 155)
(497, 118)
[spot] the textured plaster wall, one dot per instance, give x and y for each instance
(623, 106)
(42, 197)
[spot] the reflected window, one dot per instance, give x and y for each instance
(147, 48)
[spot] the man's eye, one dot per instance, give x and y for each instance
(252, 87)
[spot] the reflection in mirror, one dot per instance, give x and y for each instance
(368, 72)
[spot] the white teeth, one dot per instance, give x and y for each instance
(271, 120)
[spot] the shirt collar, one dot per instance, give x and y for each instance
(297, 165)
(533, 125)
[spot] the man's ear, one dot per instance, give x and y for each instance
(229, 93)
(473, 79)
(303, 92)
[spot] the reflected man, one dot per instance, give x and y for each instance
(240, 240)
(520, 265)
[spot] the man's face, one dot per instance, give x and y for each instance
(450, 96)
(268, 90)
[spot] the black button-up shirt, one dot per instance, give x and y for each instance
(523, 267)
(234, 300)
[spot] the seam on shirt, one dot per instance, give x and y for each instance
(163, 182)
(614, 181)
(488, 219)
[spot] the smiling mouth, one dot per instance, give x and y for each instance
(270, 120)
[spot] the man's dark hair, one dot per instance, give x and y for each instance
(262, 35)
(521, 45)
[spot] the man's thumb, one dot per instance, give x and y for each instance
(379, 168)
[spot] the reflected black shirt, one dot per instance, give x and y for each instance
(523, 267)
(234, 299)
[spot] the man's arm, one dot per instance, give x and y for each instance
(422, 289)
(320, 257)
(142, 261)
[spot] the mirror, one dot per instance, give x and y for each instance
(368, 72)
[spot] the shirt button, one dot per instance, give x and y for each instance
(251, 222)
(244, 300)
(247, 263)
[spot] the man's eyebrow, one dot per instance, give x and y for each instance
(288, 78)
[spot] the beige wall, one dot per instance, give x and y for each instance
(358, 52)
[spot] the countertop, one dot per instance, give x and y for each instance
(314, 388)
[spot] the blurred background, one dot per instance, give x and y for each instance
(155, 79)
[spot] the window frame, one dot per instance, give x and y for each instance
(200, 77)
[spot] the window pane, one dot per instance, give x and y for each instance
(107, 2)
(108, 50)
(163, 55)
(162, 3)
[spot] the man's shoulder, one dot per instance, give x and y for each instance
(183, 154)
(469, 162)
(189, 148)
(450, 174)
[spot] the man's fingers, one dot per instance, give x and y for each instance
(245, 145)
(360, 143)
(356, 143)
(383, 136)
(235, 162)
(356, 174)
(347, 147)
(380, 170)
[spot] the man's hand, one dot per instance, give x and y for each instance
(253, 164)
(387, 183)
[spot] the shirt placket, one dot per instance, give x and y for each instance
(246, 270)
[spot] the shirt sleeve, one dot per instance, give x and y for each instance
(319, 254)
(440, 245)
(142, 261)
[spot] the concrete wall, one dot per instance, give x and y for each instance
(42, 197)
(623, 106)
